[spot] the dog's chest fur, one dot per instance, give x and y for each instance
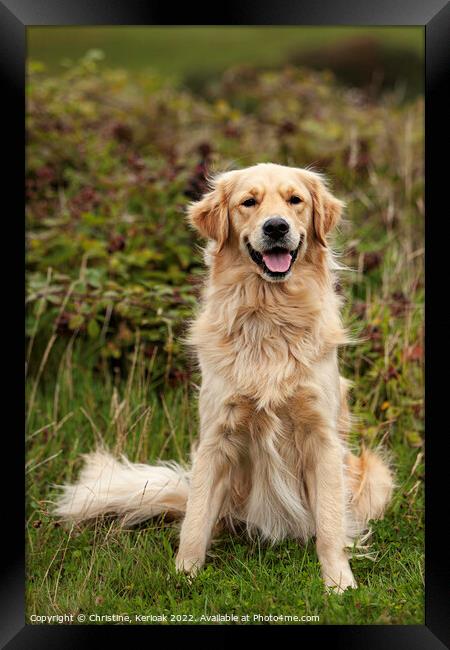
(263, 340)
(257, 350)
(267, 488)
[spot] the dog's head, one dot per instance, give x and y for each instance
(270, 214)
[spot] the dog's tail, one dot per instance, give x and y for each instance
(133, 492)
(371, 484)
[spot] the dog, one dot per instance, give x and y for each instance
(272, 453)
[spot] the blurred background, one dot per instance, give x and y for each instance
(375, 57)
(125, 123)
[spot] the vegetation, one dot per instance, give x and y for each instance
(113, 157)
(370, 56)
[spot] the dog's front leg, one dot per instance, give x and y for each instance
(325, 481)
(206, 495)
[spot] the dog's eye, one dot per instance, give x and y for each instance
(295, 199)
(249, 203)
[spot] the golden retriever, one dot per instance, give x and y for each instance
(272, 449)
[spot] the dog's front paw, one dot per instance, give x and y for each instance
(338, 579)
(189, 565)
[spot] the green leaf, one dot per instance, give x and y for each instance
(93, 329)
(414, 439)
(76, 322)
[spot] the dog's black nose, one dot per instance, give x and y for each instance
(275, 228)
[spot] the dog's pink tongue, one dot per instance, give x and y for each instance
(277, 262)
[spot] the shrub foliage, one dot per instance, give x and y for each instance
(113, 158)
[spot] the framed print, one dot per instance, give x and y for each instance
(232, 412)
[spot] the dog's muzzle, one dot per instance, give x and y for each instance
(276, 248)
(276, 261)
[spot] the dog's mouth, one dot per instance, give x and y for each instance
(276, 262)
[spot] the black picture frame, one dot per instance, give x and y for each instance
(434, 16)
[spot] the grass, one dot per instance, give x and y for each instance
(104, 570)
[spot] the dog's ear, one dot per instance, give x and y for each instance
(210, 215)
(327, 209)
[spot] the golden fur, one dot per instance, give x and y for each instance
(272, 450)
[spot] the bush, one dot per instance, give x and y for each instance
(113, 158)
